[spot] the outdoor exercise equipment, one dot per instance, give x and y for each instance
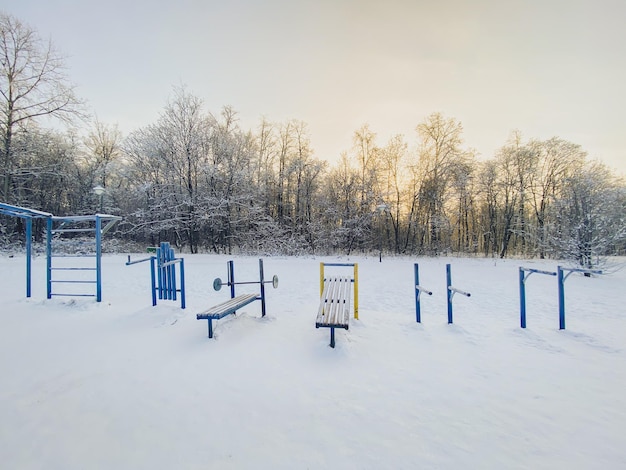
(561, 278)
(163, 273)
(60, 234)
(418, 291)
(334, 308)
(27, 215)
(451, 291)
(236, 301)
(524, 274)
(58, 230)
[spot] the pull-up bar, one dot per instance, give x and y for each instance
(524, 274)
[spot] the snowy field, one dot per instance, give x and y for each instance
(124, 385)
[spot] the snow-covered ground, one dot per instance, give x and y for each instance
(124, 385)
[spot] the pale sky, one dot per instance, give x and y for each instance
(545, 67)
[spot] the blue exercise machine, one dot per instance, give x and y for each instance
(163, 273)
(524, 273)
(56, 229)
(236, 301)
(450, 290)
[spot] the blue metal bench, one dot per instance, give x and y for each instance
(236, 301)
(225, 308)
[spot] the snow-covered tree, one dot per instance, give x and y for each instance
(589, 216)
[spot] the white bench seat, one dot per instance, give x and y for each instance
(334, 308)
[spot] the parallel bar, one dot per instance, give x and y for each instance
(459, 291)
(418, 291)
(451, 291)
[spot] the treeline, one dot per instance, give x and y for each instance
(201, 182)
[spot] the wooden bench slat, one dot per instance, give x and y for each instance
(334, 309)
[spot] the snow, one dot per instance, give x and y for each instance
(121, 384)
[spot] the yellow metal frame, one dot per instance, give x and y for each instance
(355, 280)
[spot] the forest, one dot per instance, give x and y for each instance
(198, 180)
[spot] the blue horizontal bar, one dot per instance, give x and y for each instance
(539, 271)
(338, 264)
(72, 282)
(582, 270)
(73, 295)
(73, 269)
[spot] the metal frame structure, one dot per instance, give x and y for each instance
(27, 215)
(56, 227)
(561, 278)
(236, 302)
(524, 274)
(163, 273)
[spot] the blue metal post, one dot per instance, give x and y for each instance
(153, 275)
(29, 235)
(49, 258)
(98, 259)
(172, 271)
(418, 313)
(231, 278)
(561, 281)
(522, 297)
(182, 283)
(261, 280)
(449, 292)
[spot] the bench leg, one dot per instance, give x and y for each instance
(332, 337)
(210, 327)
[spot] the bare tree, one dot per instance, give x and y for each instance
(440, 151)
(33, 84)
(104, 145)
(558, 160)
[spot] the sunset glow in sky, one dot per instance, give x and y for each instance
(545, 67)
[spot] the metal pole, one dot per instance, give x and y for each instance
(561, 281)
(182, 283)
(153, 275)
(418, 317)
(231, 278)
(98, 259)
(49, 258)
(522, 298)
(356, 291)
(29, 235)
(449, 292)
(262, 287)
